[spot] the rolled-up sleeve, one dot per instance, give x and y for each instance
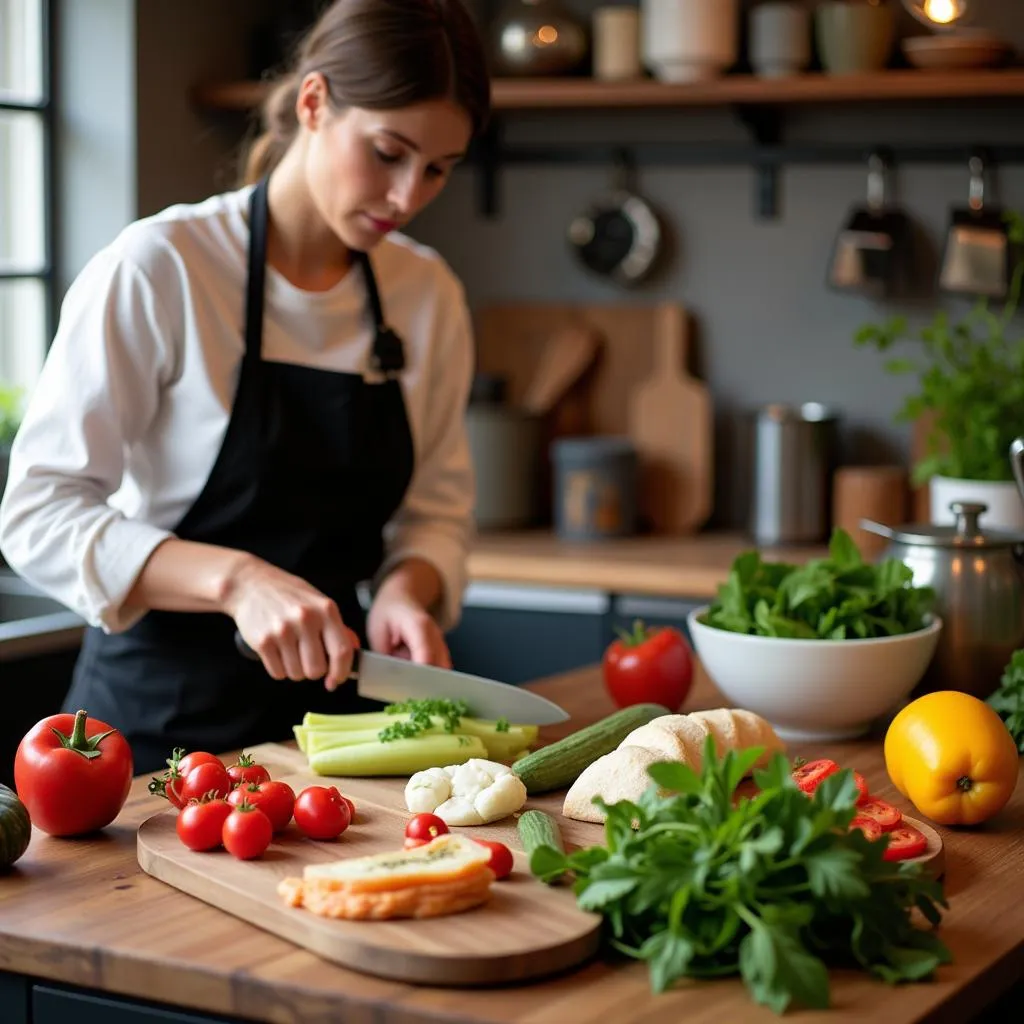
(435, 521)
(97, 394)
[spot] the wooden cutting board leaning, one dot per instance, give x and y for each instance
(672, 424)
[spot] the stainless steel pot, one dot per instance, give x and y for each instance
(978, 578)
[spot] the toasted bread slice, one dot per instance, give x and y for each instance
(447, 858)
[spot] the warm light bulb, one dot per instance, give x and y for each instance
(937, 13)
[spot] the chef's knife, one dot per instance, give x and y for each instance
(392, 680)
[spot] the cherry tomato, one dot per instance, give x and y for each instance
(245, 769)
(809, 776)
(321, 812)
(425, 827)
(195, 759)
(905, 842)
(351, 806)
(246, 832)
(501, 858)
(204, 780)
(275, 799)
(887, 816)
(871, 829)
(200, 823)
(650, 665)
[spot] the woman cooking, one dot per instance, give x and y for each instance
(243, 415)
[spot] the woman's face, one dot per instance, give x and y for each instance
(371, 171)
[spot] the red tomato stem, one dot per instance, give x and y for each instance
(87, 746)
(636, 637)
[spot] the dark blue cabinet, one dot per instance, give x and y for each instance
(54, 1005)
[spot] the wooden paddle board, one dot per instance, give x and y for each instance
(671, 422)
(526, 930)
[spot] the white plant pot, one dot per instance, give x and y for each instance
(1005, 507)
(689, 40)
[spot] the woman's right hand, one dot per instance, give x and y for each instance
(296, 630)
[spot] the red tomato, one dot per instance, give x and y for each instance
(206, 779)
(501, 858)
(275, 799)
(194, 760)
(905, 842)
(862, 788)
(425, 827)
(868, 826)
(809, 776)
(351, 806)
(245, 769)
(887, 816)
(200, 823)
(651, 665)
(246, 832)
(73, 774)
(321, 812)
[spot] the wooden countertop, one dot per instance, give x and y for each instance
(82, 912)
(653, 565)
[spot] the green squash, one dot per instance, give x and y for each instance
(15, 827)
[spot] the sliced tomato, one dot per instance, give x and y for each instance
(810, 775)
(862, 788)
(887, 816)
(905, 842)
(871, 829)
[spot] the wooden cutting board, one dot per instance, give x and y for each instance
(526, 930)
(671, 422)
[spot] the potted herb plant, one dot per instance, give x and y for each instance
(10, 420)
(970, 388)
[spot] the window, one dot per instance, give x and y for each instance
(26, 237)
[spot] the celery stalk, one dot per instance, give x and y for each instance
(300, 736)
(325, 739)
(399, 757)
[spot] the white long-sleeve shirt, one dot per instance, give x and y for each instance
(124, 425)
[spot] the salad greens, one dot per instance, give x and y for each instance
(771, 887)
(840, 597)
(1008, 700)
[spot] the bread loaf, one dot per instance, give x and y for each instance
(622, 774)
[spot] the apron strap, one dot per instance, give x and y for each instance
(388, 356)
(257, 271)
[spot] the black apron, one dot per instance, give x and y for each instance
(312, 466)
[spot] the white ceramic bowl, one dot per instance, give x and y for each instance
(814, 689)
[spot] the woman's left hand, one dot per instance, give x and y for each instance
(399, 626)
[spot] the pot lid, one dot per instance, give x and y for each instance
(965, 532)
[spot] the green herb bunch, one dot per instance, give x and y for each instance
(423, 715)
(1008, 700)
(773, 887)
(840, 597)
(970, 381)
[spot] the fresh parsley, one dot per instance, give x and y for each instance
(1008, 700)
(501, 725)
(840, 597)
(700, 882)
(422, 715)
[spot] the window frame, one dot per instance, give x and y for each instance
(43, 108)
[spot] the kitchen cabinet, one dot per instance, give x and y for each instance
(518, 633)
(15, 994)
(54, 1005)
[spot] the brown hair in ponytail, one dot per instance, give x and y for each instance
(379, 55)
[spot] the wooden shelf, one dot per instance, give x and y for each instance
(813, 88)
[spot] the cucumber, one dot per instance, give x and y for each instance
(560, 763)
(537, 828)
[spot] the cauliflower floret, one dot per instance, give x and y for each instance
(427, 789)
(474, 793)
(502, 797)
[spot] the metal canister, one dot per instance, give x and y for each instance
(795, 453)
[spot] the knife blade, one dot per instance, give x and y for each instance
(393, 680)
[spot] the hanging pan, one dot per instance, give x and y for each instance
(619, 235)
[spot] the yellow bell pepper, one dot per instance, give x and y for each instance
(952, 756)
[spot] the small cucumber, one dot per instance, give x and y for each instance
(537, 828)
(560, 763)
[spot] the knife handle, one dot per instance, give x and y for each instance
(247, 652)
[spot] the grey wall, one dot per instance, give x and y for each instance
(766, 328)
